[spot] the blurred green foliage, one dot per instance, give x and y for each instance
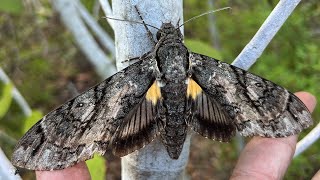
(97, 167)
(39, 55)
(31, 120)
(11, 6)
(202, 48)
(5, 99)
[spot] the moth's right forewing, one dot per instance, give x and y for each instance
(84, 125)
(206, 116)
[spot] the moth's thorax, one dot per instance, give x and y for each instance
(172, 55)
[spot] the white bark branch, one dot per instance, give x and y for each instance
(96, 9)
(16, 95)
(152, 161)
(213, 31)
(107, 11)
(308, 140)
(265, 34)
(102, 36)
(259, 42)
(84, 39)
(7, 171)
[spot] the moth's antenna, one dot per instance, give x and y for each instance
(138, 22)
(203, 14)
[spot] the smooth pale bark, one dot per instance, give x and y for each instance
(7, 171)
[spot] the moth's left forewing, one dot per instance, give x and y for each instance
(255, 105)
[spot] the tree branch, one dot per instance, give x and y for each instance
(107, 11)
(265, 34)
(7, 171)
(213, 31)
(84, 39)
(308, 140)
(102, 36)
(16, 95)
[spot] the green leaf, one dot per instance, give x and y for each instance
(5, 99)
(202, 48)
(11, 6)
(31, 120)
(97, 167)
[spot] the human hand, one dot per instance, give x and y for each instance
(269, 158)
(78, 172)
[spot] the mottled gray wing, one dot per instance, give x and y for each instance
(255, 105)
(206, 116)
(141, 125)
(91, 122)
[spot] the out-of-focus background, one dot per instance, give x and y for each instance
(43, 61)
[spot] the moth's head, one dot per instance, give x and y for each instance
(168, 30)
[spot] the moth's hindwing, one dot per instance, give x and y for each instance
(88, 123)
(255, 105)
(141, 125)
(206, 116)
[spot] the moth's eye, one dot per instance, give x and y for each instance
(259, 85)
(158, 35)
(80, 105)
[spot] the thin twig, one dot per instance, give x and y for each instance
(7, 171)
(8, 140)
(265, 34)
(107, 11)
(96, 9)
(308, 140)
(102, 36)
(213, 31)
(16, 95)
(84, 39)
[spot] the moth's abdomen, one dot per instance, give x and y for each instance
(174, 103)
(174, 136)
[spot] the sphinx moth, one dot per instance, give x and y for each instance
(167, 91)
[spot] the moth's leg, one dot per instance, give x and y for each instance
(151, 54)
(192, 63)
(131, 59)
(178, 22)
(148, 31)
(136, 58)
(155, 68)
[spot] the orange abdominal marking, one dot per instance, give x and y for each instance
(193, 89)
(153, 93)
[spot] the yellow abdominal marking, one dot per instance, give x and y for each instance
(193, 89)
(153, 94)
